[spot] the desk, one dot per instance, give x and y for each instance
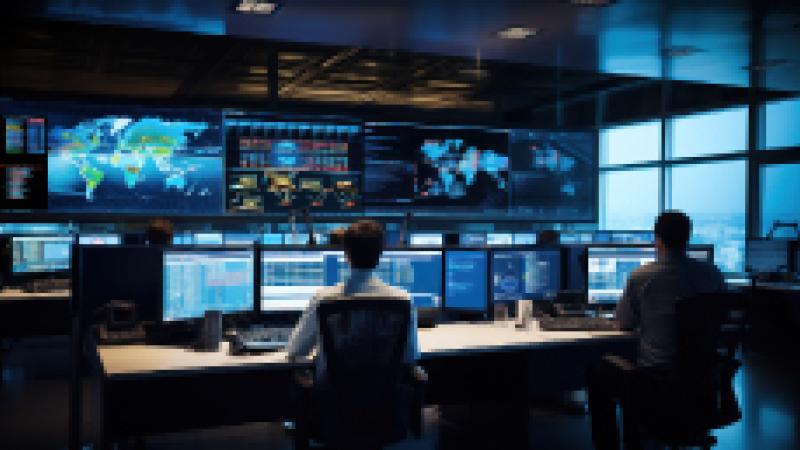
(149, 389)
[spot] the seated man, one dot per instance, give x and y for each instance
(648, 303)
(363, 245)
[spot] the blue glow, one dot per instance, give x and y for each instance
(628, 199)
(525, 274)
(465, 280)
(450, 158)
(630, 143)
(708, 133)
(610, 268)
(196, 16)
(780, 185)
(714, 195)
(34, 254)
(782, 124)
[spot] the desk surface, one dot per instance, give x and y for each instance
(449, 339)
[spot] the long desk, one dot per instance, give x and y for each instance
(144, 389)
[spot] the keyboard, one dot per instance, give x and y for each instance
(257, 339)
(577, 324)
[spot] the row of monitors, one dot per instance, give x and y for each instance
(196, 279)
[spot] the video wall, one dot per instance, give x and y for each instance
(117, 159)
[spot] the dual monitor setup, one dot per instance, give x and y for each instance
(284, 280)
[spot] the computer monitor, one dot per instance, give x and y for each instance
(701, 252)
(289, 278)
(499, 239)
(533, 274)
(272, 239)
(210, 238)
(99, 239)
(240, 238)
(524, 238)
(40, 254)
(296, 239)
(472, 239)
(571, 237)
(199, 280)
(426, 240)
(766, 255)
(609, 268)
(417, 271)
(466, 278)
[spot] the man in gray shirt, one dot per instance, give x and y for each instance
(648, 305)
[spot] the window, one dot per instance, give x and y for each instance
(630, 144)
(710, 133)
(628, 199)
(713, 195)
(783, 124)
(780, 185)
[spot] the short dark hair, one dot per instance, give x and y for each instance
(336, 237)
(674, 229)
(363, 244)
(159, 232)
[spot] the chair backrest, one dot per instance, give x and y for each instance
(364, 342)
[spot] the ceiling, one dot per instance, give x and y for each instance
(415, 55)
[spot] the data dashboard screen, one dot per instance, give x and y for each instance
(36, 254)
(135, 160)
(554, 174)
(766, 256)
(466, 278)
(426, 239)
(280, 165)
(417, 271)
(525, 274)
(609, 269)
(99, 239)
(197, 281)
(23, 183)
(290, 278)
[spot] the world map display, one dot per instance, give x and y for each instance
(126, 163)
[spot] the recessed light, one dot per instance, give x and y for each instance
(517, 33)
(262, 7)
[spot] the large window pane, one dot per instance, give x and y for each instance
(780, 186)
(630, 144)
(628, 199)
(713, 195)
(709, 133)
(782, 122)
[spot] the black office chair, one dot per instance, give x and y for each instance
(680, 408)
(369, 397)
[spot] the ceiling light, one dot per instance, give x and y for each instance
(517, 33)
(263, 7)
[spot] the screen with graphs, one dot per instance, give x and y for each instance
(281, 165)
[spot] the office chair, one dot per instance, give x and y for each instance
(680, 408)
(369, 397)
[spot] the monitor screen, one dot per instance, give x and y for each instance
(23, 184)
(208, 239)
(472, 239)
(573, 237)
(34, 254)
(272, 239)
(240, 238)
(15, 135)
(198, 281)
(524, 238)
(99, 239)
(417, 271)
(466, 276)
(554, 174)
(525, 274)
(766, 256)
(426, 239)
(296, 239)
(609, 269)
(499, 239)
(289, 278)
(277, 164)
(135, 160)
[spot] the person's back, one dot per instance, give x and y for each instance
(650, 297)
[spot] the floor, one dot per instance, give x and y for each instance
(34, 400)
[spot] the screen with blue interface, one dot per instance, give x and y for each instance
(208, 239)
(609, 269)
(524, 238)
(554, 174)
(275, 165)
(499, 239)
(417, 271)
(766, 256)
(466, 276)
(525, 274)
(426, 239)
(99, 239)
(34, 254)
(135, 161)
(198, 281)
(472, 239)
(289, 278)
